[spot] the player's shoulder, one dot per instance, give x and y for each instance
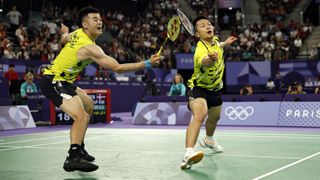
(200, 48)
(90, 48)
(216, 38)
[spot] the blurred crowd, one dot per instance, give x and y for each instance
(136, 38)
(132, 39)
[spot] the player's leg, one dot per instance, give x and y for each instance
(63, 95)
(88, 107)
(211, 124)
(199, 110)
(75, 109)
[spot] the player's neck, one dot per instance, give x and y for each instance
(208, 41)
(91, 36)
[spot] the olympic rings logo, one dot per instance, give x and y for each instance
(239, 112)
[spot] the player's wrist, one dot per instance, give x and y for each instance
(147, 64)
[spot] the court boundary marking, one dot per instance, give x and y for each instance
(38, 146)
(286, 166)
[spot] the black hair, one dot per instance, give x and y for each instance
(194, 22)
(296, 83)
(84, 12)
(245, 91)
(11, 65)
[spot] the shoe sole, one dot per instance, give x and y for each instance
(193, 160)
(83, 170)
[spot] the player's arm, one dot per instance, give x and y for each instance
(228, 41)
(65, 36)
(96, 54)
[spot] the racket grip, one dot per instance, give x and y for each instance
(159, 52)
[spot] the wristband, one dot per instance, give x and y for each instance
(147, 64)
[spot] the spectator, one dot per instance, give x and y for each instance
(278, 83)
(11, 74)
(308, 83)
(14, 18)
(27, 87)
(9, 53)
(23, 54)
(295, 88)
(14, 84)
(270, 84)
(33, 30)
(246, 90)
(238, 18)
(177, 88)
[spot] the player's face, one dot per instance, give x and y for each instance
(205, 30)
(93, 23)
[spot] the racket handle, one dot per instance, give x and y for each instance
(159, 52)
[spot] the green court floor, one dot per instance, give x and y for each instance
(143, 154)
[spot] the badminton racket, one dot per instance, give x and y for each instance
(173, 31)
(188, 26)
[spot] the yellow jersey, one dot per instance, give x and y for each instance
(66, 65)
(209, 78)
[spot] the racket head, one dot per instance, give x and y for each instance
(173, 28)
(186, 23)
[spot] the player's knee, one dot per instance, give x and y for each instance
(87, 118)
(199, 116)
(214, 118)
(89, 108)
(81, 117)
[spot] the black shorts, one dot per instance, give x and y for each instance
(213, 97)
(58, 90)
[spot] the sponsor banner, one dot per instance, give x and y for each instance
(184, 60)
(162, 113)
(15, 117)
(299, 114)
(250, 113)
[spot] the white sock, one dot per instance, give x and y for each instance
(189, 150)
(209, 138)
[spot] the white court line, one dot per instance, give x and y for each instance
(13, 148)
(160, 152)
(271, 134)
(285, 167)
(36, 145)
(277, 137)
(262, 157)
(30, 140)
(37, 133)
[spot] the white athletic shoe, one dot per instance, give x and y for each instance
(191, 159)
(214, 146)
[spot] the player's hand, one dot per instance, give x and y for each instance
(64, 29)
(213, 56)
(230, 40)
(155, 59)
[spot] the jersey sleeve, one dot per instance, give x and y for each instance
(23, 90)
